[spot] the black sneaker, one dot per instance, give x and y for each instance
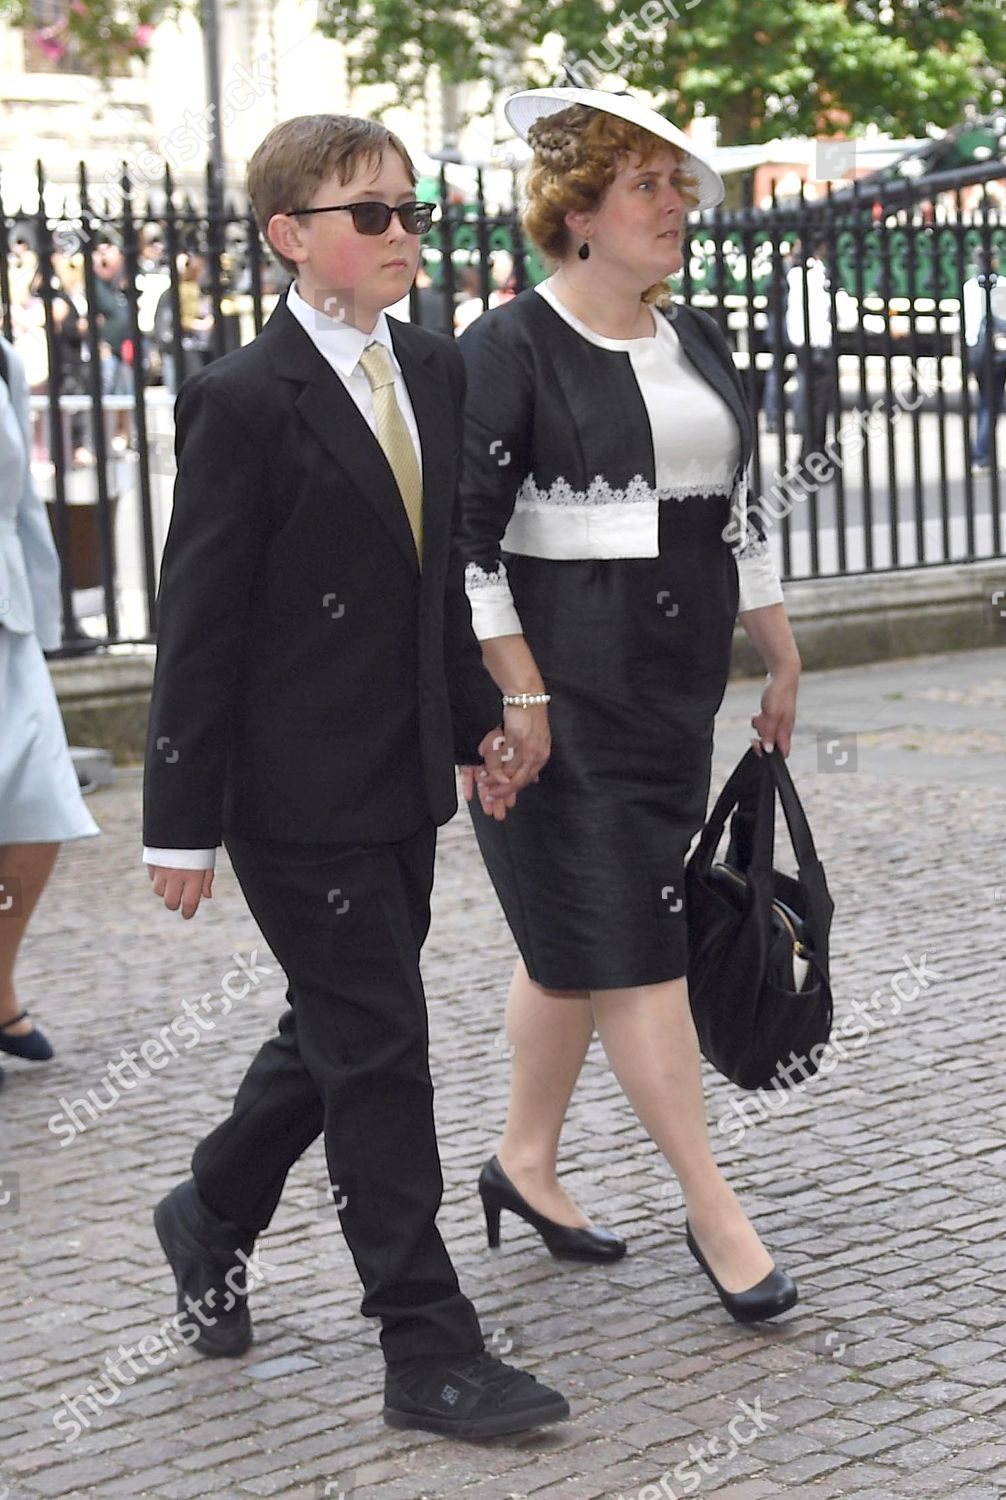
(467, 1396)
(202, 1251)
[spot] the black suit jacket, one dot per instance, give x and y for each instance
(311, 684)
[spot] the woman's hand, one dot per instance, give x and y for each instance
(513, 760)
(774, 724)
(772, 637)
(529, 739)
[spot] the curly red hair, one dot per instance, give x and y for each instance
(577, 154)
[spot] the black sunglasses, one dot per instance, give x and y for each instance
(374, 218)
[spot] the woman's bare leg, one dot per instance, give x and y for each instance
(24, 870)
(649, 1037)
(549, 1032)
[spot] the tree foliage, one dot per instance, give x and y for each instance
(765, 67)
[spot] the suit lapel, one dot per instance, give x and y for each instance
(336, 421)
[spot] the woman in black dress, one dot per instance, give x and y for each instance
(609, 549)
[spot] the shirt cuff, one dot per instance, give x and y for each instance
(492, 606)
(758, 581)
(181, 859)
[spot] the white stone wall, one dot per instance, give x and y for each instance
(273, 64)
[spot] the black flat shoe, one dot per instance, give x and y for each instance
(565, 1242)
(32, 1044)
(468, 1396)
(776, 1293)
(202, 1251)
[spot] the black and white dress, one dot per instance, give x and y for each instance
(604, 516)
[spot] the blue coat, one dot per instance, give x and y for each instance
(29, 565)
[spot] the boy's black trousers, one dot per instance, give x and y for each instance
(350, 1059)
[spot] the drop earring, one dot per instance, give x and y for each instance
(584, 251)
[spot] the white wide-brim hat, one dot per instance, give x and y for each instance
(534, 104)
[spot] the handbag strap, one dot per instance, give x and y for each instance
(796, 819)
(820, 906)
(751, 788)
(738, 782)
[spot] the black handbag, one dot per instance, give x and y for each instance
(758, 938)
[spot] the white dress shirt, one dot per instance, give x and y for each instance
(974, 296)
(818, 306)
(341, 346)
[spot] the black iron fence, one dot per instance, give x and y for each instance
(866, 454)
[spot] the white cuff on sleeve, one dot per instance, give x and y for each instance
(181, 859)
(492, 606)
(757, 578)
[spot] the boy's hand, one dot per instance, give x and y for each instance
(497, 789)
(182, 888)
(494, 802)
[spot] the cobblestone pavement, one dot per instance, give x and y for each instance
(881, 1186)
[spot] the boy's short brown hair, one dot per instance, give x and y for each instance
(299, 154)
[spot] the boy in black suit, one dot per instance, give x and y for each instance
(317, 680)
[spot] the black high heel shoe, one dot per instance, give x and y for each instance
(776, 1293)
(565, 1242)
(32, 1045)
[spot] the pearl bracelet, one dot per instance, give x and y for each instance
(525, 700)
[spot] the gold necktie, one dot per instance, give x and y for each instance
(394, 437)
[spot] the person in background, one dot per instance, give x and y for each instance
(40, 802)
(111, 312)
(432, 304)
(777, 344)
(814, 345)
(196, 321)
(469, 304)
(985, 350)
(152, 281)
(503, 277)
(27, 313)
(69, 318)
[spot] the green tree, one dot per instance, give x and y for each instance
(764, 67)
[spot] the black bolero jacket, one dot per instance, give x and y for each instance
(547, 410)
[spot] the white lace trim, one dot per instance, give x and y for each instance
(532, 496)
(757, 547)
(478, 580)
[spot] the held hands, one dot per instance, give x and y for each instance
(513, 756)
(182, 888)
(774, 724)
